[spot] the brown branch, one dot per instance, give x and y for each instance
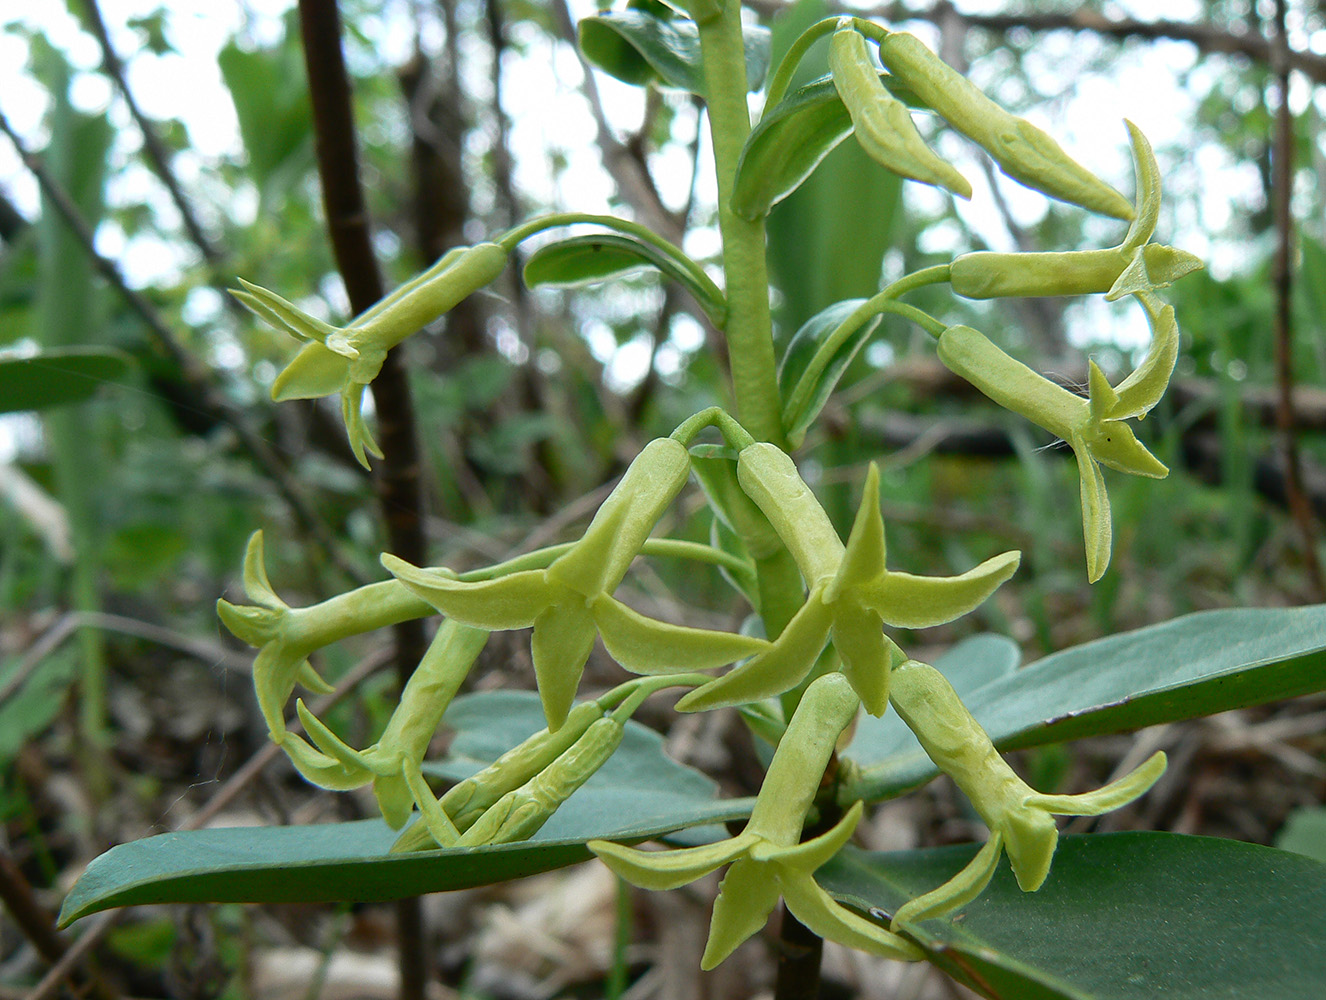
(1206, 38)
(400, 495)
(199, 379)
(1282, 270)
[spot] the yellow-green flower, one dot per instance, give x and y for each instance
(852, 593)
(1095, 427)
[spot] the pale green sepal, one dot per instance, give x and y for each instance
(906, 601)
(864, 556)
(257, 587)
(312, 373)
(1141, 391)
(255, 626)
(1101, 397)
(1030, 839)
(331, 744)
(352, 415)
(312, 680)
(1147, 209)
(1112, 796)
(274, 673)
(780, 668)
(829, 919)
(658, 870)
(563, 637)
(1096, 525)
(321, 770)
(811, 854)
(958, 891)
(1116, 447)
(746, 897)
(868, 655)
(512, 601)
(285, 315)
(644, 645)
(394, 799)
(434, 818)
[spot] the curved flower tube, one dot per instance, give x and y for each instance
(1021, 820)
(852, 596)
(1094, 427)
(767, 861)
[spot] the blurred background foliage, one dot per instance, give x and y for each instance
(124, 511)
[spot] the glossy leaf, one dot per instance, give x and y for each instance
(1124, 916)
(1196, 665)
(639, 794)
(582, 260)
(639, 47)
(795, 365)
(58, 376)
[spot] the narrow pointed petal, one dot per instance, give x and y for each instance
(828, 918)
(286, 316)
(958, 891)
(867, 654)
(435, 819)
(321, 770)
(1101, 397)
(1148, 191)
(352, 415)
(746, 897)
(1141, 390)
(645, 646)
(669, 869)
(563, 637)
(312, 680)
(863, 558)
(812, 854)
(331, 744)
(1096, 526)
(1117, 793)
(511, 601)
(314, 372)
(906, 601)
(256, 585)
(780, 668)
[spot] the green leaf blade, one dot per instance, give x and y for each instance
(58, 376)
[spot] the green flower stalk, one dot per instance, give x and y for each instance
(570, 602)
(286, 636)
(1136, 265)
(1021, 820)
(1094, 427)
(767, 861)
(346, 359)
(852, 594)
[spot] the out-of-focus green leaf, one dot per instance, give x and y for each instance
(31, 707)
(1305, 833)
(1195, 665)
(639, 794)
(640, 47)
(1123, 916)
(58, 376)
(804, 391)
(582, 260)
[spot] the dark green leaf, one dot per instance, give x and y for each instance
(1192, 666)
(640, 48)
(805, 392)
(639, 794)
(581, 260)
(1124, 916)
(58, 376)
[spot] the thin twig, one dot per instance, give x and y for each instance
(1282, 164)
(199, 379)
(399, 488)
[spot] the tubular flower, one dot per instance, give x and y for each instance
(286, 636)
(571, 602)
(1094, 427)
(1021, 820)
(766, 858)
(852, 595)
(346, 359)
(1136, 265)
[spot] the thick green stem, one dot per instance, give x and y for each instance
(749, 327)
